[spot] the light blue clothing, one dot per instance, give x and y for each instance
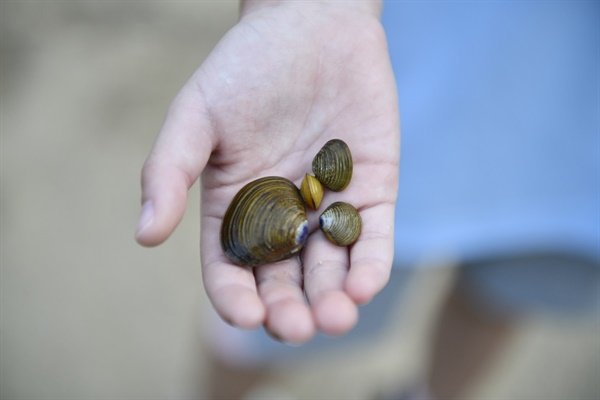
(500, 128)
(500, 162)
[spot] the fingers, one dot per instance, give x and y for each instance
(232, 291)
(336, 282)
(273, 295)
(372, 255)
(230, 288)
(280, 288)
(178, 157)
(270, 295)
(325, 271)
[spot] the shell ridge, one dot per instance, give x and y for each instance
(247, 233)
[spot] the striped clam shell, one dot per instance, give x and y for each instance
(333, 165)
(341, 223)
(265, 222)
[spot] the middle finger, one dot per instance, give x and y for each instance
(280, 288)
(325, 272)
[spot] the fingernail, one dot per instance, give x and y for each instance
(278, 338)
(146, 216)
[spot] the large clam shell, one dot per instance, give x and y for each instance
(333, 165)
(341, 223)
(265, 222)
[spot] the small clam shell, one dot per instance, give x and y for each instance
(312, 191)
(333, 165)
(265, 222)
(341, 223)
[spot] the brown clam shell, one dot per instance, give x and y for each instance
(265, 222)
(333, 165)
(341, 223)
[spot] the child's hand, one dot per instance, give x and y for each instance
(278, 86)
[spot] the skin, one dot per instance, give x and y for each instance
(281, 83)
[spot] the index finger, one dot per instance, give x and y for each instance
(230, 288)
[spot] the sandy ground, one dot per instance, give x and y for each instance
(88, 314)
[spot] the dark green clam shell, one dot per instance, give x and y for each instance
(341, 223)
(333, 165)
(265, 222)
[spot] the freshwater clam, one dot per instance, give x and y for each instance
(265, 222)
(312, 191)
(333, 165)
(341, 223)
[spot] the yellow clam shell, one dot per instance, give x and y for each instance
(312, 191)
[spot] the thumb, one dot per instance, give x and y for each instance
(177, 159)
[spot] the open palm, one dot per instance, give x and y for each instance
(276, 88)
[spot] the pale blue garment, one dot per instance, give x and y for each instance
(500, 152)
(500, 111)
(500, 142)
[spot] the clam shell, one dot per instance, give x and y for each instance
(333, 165)
(341, 223)
(312, 191)
(265, 222)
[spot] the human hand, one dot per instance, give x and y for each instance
(279, 85)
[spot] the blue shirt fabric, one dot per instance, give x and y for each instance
(500, 117)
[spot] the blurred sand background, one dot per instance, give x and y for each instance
(88, 314)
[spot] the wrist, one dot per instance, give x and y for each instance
(370, 7)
